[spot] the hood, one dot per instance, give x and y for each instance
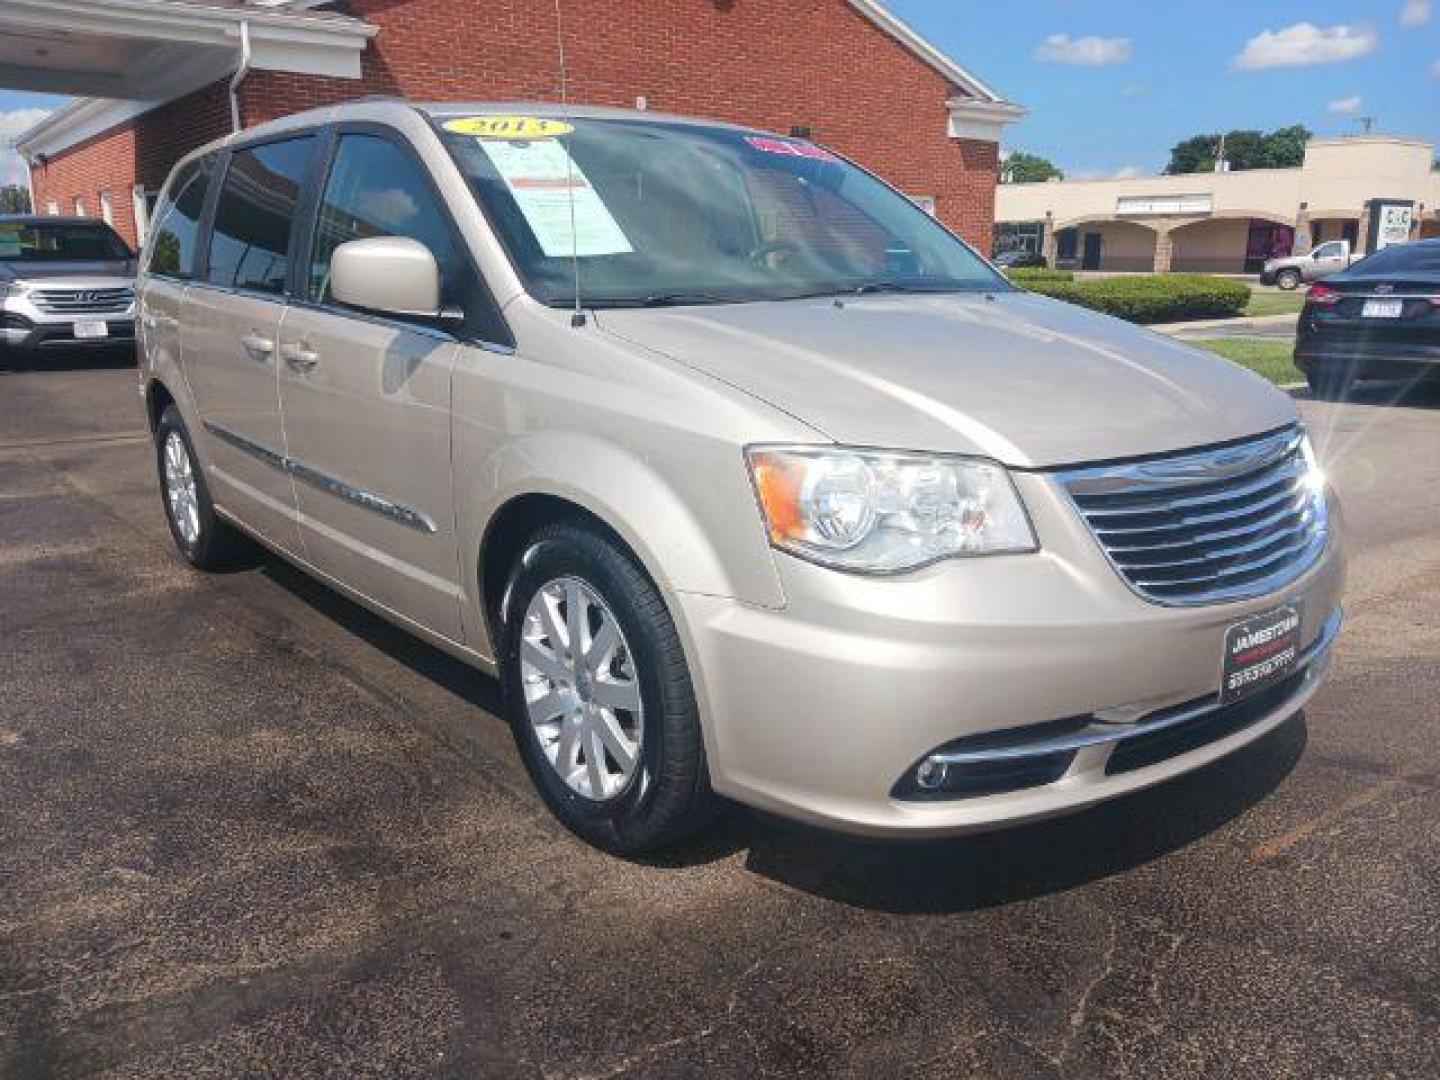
(1019, 378)
(116, 272)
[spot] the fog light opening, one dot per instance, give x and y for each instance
(931, 774)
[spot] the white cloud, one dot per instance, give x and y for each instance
(1344, 105)
(13, 123)
(1088, 51)
(1305, 44)
(1415, 13)
(1127, 172)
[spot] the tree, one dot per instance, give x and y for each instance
(14, 199)
(1022, 168)
(1283, 148)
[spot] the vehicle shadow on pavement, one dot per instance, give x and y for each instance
(460, 679)
(898, 876)
(991, 869)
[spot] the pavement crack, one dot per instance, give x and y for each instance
(1081, 1009)
(1270, 849)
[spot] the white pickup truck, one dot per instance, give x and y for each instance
(1328, 258)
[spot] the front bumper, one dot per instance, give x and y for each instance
(27, 329)
(19, 339)
(819, 710)
(1367, 357)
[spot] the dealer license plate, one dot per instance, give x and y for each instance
(1260, 652)
(1383, 309)
(91, 329)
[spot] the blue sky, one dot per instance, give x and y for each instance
(1162, 70)
(1112, 84)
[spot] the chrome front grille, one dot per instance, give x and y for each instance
(107, 301)
(1209, 525)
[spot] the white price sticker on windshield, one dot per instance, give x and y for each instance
(563, 210)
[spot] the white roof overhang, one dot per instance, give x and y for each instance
(123, 57)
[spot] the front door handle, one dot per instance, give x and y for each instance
(299, 357)
(258, 347)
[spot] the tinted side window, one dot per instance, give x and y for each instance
(250, 242)
(375, 189)
(173, 251)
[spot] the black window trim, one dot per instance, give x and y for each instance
(217, 186)
(166, 206)
(480, 299)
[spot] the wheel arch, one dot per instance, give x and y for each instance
(685, 541)
(512, 524)
(157, 399)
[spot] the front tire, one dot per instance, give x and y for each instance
(1289, 280)
(202, 538)
(598, 694)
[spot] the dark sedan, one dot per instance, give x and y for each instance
(1019, 259)
(1380, 319)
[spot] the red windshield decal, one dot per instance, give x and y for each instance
(789, 149)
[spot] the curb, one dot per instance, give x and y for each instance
(1243, 323)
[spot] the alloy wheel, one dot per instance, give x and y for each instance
(181, 496)
(582, 692)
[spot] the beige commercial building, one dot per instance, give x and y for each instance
(1370, 190)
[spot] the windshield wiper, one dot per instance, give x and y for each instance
(901, 287)
(665, 299)
(671, 299)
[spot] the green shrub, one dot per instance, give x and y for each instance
(1024, 275)
(1151, 298)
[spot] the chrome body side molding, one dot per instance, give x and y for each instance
(324, 481)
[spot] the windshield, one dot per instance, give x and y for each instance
(60, 241)
(657, 213)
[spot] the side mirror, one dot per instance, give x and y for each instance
(392, 275)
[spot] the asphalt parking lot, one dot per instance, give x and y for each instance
(248, 829)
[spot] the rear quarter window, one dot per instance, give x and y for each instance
(175, 237)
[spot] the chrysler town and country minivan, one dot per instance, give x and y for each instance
(744, 475)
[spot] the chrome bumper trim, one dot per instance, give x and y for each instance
(1311, 664)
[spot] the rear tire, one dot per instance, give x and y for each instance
(1289, 280)
(203, 539)
(624, 695)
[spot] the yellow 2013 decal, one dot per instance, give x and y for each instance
(517, 128)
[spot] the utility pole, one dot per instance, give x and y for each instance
(1366, 123)
(1221, 165)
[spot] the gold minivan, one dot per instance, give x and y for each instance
(744, 475)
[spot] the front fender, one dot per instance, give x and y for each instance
(706, 539)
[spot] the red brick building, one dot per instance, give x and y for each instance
(163, 77)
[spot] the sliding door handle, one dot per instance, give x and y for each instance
(299, 357)
(258, 347)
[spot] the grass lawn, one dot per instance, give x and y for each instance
(1272, 359)
(1273, 302)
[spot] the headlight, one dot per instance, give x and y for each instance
(13, 288)
(883, 512)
